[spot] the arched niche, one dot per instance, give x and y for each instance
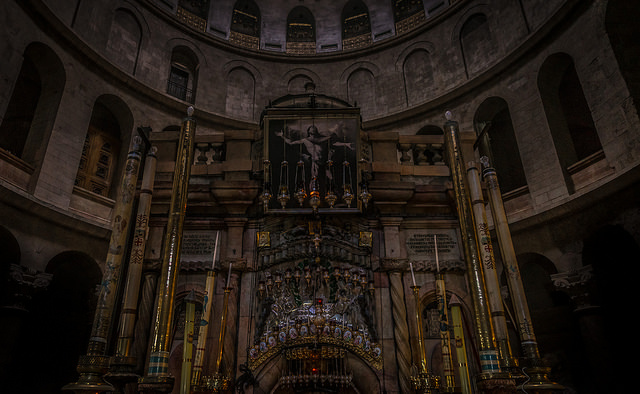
(621, 24)
(568, 114)
(125, 39)
(497, 140)
(31, 112)
(105, 146)
(301, 31)
(183, 74)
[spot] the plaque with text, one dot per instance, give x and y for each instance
(198, 246)
(420, 245)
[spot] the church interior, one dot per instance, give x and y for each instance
(307, 196)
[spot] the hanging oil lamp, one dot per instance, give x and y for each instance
(347, 192)
(301, 192)
(283, 189)
(314, 194)
(266, 186)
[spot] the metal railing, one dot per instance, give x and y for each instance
(180, 91)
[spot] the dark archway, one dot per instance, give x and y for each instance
(58, 328)
(621, 24)
(572, 128)
(32, 109)
(497, 141)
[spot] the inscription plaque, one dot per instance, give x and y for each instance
(420, 244)
(198, 246)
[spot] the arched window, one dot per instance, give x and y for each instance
(497, 141)
(245, 24)
(193, 13)
(183, 74)
(356, 27)
(574, 133)
(301, 31)
(32, 108)
(407, 14)
(125, 37)
(417, 72)
(100, 152)
(478, 48)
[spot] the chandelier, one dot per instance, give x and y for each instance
(312, 309)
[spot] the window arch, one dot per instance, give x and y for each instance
(478, 48)
(572, 128)
(193, 13)
(240, 97)
(100, 159)
(125, 38)
(623, 31)
(183, 74)
(32, 108)
(356, 25)
(417, 72)
(497, 141)
(301, 31)
(361, 91)
(407, 14)
(245, 24)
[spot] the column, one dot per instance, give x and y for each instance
(123, 362)
(157, 378)
(95, 363)
(529, 344)
(490, 376)
(507, 362)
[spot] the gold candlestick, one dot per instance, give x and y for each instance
(445, 340)
(421, 380)
(460, 346)
(187, 347)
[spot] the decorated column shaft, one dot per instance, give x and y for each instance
(95, 363)
(514, 282)
(481, 308)
(537, 371)
(158, 370)
(134, 270)
(490, 272)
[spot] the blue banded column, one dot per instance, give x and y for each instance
(491, 375)
(157, 378)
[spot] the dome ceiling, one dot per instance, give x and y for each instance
(298, 27)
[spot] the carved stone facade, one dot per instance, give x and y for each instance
(509, 73)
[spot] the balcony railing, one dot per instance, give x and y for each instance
(180, 92)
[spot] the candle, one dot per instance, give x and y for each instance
(229, 276)
(215, 251)
(413, 277)
(435, 248)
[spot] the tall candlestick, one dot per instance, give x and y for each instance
(229, 276)
(413, 277)
(215, 251)
(435, 248)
